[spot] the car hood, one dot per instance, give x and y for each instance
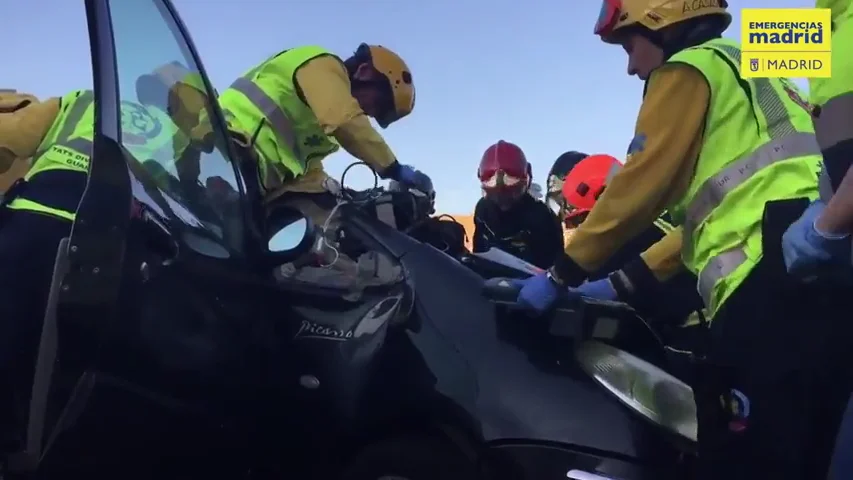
(513, 387)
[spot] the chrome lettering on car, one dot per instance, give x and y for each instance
(321, 332)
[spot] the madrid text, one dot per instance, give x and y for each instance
(793, 64)
(791, 33)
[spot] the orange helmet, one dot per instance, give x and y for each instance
(504, 173)
(584, 184)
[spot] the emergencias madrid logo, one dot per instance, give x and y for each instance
(786, 42)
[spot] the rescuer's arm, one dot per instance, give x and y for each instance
(837, 217)
(24, 121)
(659, 263)
(657, 171)
(326, 88)
(663, 258)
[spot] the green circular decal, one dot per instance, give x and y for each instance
(138, 121)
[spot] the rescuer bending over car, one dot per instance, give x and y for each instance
(646, 272)
(713, 154)
(301, 105)
(39, 208)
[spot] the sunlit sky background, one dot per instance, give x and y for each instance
(526, 72)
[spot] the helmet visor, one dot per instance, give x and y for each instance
(608, 16)
(502, 188)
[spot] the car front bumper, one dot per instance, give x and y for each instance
(551, 462)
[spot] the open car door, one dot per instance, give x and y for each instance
(96, 246)
(148, 172)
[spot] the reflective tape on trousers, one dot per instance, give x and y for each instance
(714, 190)
(720, 266)
(275, 115)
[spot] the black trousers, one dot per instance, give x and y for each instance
(774, 388)
(28, 244)
(842, 460)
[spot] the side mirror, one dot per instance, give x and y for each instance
(292, 235)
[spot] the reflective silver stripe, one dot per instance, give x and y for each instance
(720, 266)
(275, 115)
(78, 109)
(81, 104)
(714, 189)
(81, 145)
(786, 143)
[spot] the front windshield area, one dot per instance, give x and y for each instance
(177, 153)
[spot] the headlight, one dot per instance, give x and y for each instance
(643, 387)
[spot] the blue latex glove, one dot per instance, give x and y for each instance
(598, 289)
(413, 178)
(805, 248)
(538, 293)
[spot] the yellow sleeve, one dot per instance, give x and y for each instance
(24, 121)
(326, 88)
(664, 257)
(658, 169)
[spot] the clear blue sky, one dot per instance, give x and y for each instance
(526, 72)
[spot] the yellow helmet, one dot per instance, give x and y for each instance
(654, 15)
(176, 89)
(399, 77)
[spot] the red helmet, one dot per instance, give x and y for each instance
(584, 184)
(504, 173)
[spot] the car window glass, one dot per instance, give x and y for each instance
(167, 126)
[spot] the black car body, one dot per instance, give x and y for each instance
(170, 346)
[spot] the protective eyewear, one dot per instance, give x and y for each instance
(499, 179)
(609, 15)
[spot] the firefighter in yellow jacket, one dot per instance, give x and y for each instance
(38, 209)
(12, 168)
(713, 148)
(303, 104)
